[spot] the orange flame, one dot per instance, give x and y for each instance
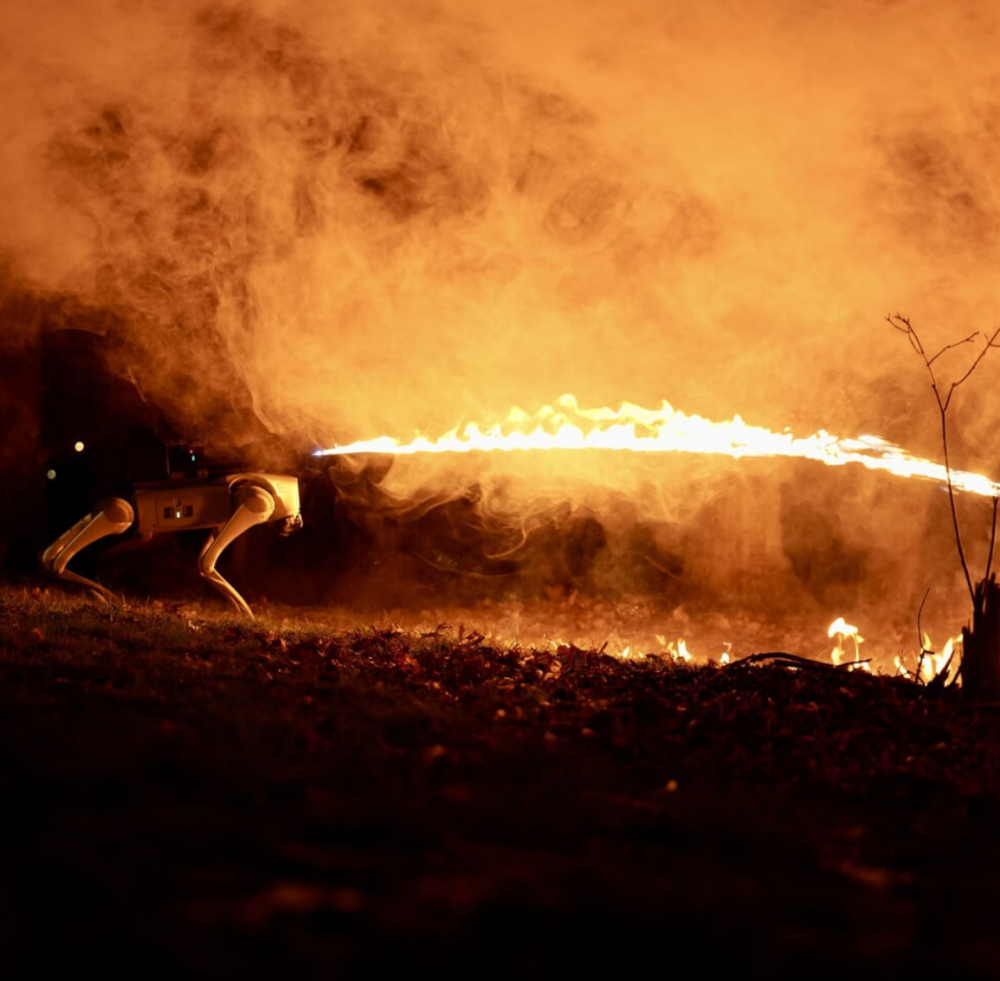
(932, 664)
(841, 629)
(565, 426)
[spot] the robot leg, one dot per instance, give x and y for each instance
(254, 506)
(114, 517)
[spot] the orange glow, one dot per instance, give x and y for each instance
(842, 631)
(932, 664)
(565, 426)
(680, 651)
(294, 224)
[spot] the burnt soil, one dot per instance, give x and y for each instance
(210, 797)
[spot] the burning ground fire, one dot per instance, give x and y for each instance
(923, 666)
(846, 652)
(566, 426)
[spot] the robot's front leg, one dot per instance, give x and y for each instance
(254, 506)
(114, 517)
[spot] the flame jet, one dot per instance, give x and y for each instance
(565, 426)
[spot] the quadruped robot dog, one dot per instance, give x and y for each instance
(226, 504)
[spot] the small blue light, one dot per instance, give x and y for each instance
(193, 458)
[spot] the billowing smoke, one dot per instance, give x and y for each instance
(343, 220)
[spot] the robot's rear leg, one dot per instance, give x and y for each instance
(114, 517)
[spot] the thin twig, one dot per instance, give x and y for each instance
(951, 500)
(903, 325)
(920, 629)
(993, 540)
(948, 347)
(920, 638)
(991, 342)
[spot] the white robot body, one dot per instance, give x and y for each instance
(226, 506)
(180, 505)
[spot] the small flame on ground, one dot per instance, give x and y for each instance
(566, 426)
(842, 630)
(678, 649)
(931, 664)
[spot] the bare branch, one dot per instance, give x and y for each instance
(914, 338)
(951, 500)
(920, 612)
(993, 540)
(784, 659)
(949, 347)
(904, 326)
(920, 637)
(990, 343)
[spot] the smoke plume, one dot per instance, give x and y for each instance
(378, 217)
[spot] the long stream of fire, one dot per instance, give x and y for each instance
(565, 426)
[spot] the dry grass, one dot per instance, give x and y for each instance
(207, 796)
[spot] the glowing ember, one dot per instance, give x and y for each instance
(566, 426)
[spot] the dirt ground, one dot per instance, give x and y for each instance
(202, 796)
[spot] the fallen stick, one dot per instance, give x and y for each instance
(807, 663)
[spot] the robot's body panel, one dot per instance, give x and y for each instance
(180, 506)
(187, 505)
(226, 506)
